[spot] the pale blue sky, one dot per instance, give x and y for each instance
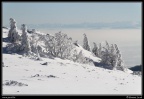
(71, 12)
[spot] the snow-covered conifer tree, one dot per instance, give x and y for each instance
(111, 56)
(95, 49)
(106, 54)
(99, 50)
(119, 62)
(85, 43)
(13, 33)
(25, 43)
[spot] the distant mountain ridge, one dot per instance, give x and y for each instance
(113, 25)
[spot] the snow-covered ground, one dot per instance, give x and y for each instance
(63, 77)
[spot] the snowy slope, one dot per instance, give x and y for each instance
(86, 53)
(63, 77)
(71, 78)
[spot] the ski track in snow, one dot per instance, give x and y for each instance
(64, 77)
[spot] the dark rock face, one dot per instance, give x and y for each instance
(45, 63)
(136, 68)
(14, 83)
(5, 27)
(102, 65)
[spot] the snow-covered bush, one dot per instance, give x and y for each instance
(81, 59)
(64, 45)
(13, 48)
(59, 45)
(76, 56)
(13, 35)
(48, 45)
(85, 43)
(80, 55)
